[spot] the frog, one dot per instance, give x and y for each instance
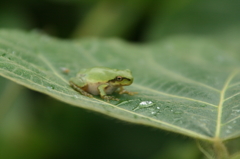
(102, 81)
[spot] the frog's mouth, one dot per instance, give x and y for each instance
(124, 81)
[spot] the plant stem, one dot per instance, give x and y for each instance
(220, 150)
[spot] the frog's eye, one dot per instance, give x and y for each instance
(119, 78)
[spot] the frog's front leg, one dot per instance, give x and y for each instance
(79, 89)
(123, 91)
(103, 94)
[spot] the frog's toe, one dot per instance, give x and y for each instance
(127, 92)
(132, 93)
(110, 98)
(87, 94)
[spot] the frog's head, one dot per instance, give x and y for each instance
(123, 78)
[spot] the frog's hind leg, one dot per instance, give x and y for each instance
(80, 90)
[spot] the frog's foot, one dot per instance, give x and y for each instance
(127, 92)
(109, 98)
(78, 89)
(86, 94)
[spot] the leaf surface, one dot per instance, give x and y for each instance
(187, 85)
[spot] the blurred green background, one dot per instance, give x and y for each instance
(33, 125)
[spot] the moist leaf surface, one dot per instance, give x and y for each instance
(187, 85)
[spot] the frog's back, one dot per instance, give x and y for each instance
(98, 74)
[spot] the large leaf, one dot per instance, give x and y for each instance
(187, 85)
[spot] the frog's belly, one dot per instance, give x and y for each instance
(93, 89)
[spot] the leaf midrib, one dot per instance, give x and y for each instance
(221, 102)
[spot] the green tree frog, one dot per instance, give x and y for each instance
(102, 81)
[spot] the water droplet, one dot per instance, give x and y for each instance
(13, 52)
(153, 113)
(75, 96)
(234, 121)
(178, 112)
(228, 131)
(229, 127)
(144, 104)
(158, 107)
(50, 88)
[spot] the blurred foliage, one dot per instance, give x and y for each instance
(195, 17)
(33, 125)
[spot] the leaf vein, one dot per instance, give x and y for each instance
(231, 120)
(174, 96)
(220, 106)
(52, 68)
(26, 69)
(71, 90)
(177, 76)
(231, 96)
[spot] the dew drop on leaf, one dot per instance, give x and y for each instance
(228, 131)
(50, 88)
(153, 113)
(144, 104)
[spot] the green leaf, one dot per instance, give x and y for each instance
(187, 85)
